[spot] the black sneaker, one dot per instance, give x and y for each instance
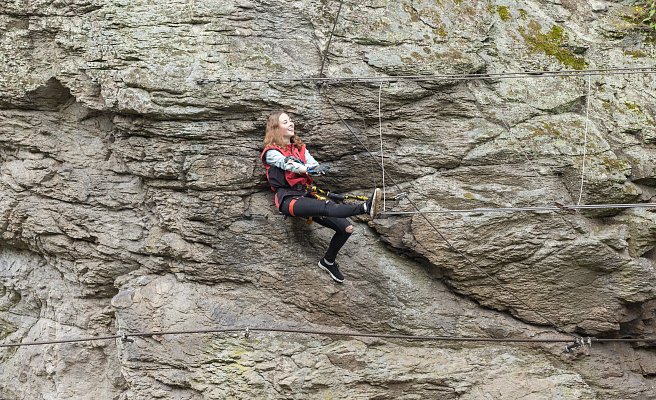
(333, 270)
(372, 206)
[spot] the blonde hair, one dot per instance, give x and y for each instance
(271, 135)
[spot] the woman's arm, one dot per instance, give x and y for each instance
(276, 159)
(310, 162)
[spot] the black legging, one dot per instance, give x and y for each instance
(325, 213)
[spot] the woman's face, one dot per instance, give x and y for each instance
(285, 127)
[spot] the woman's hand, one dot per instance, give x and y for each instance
(295, 165)
(318, 170)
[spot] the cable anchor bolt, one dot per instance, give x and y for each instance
(247, 333)
(126, 339)
(578, 343)
(400, 196)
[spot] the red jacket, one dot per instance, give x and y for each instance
(286, 183)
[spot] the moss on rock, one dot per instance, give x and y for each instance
(633, 107)
(551, 44)
(635, 53)
(615, 164)
(547, 129)
(504, 13)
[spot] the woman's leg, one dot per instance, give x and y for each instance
(330, 215)
(311, 207)
(343, 230)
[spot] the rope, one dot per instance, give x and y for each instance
(564, 207)
(126, 336)
(380, 133)
(440, 77)
(585, 138)
(330, 38)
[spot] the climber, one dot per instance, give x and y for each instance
(288, 167)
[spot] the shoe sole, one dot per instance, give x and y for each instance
(375, 203)
(330, 273)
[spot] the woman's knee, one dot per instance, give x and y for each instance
(349, 229)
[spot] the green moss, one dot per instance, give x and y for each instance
(645, 13)
(522, 13)
(635, 53)
(551, 44)
(640, 20)
(441, 31)
(547, 129)
(468, 196)
(632, 18)
(633, 107)
(504, 13)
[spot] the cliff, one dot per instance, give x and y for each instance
(132, 199)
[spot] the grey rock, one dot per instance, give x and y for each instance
(598, 6)
(132, 200)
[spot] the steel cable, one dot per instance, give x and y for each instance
(126, 336)
(434, 78)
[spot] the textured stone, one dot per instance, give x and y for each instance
(598, 6)
(132, 199)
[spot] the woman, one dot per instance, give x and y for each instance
(287, 163)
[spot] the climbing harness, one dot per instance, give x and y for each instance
(323, 194)
(314, 191)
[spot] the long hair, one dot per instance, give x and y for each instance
(271, 135)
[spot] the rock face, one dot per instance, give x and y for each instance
(132, 199)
